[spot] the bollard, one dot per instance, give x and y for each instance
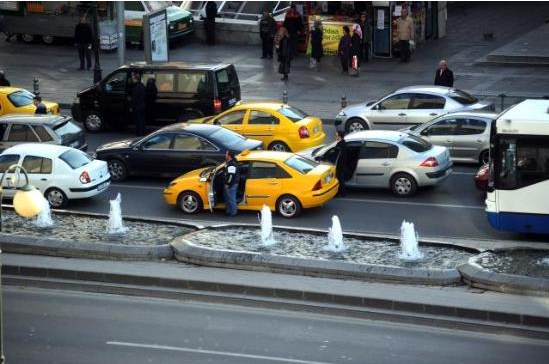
(36, 86)
(502, 96)
(343, 102)
(285, 97)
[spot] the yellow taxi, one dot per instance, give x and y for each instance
(285, 182)
(280, 127)
(14, 100)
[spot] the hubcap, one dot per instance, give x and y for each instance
(403, 186)
(93, 122)
(48, 39)
(55, 198)
(356, 126)
(189, 203)
(277, 147)
(28, 37)
(287, 207)
(116, 170)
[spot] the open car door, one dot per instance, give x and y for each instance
(212, 194)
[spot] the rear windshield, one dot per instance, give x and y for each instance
(21, 98)
(227, 137)
(300, 164)
(292, 113)
(415, 143)
(226, 80)
(463, 97)
(75, 158)
(66, 129)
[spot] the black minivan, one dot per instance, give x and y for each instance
(185, 91)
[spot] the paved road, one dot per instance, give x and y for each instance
(64, 327)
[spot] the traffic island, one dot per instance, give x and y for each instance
(302, 252)
(518, 271)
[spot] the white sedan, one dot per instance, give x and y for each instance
(60, 173)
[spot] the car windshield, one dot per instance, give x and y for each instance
(415, 143)
(66, 129)
(157, 5)
(227, 137)
(21, 98)
(462, 97)
(300, 164)
(292, 113)
(75, 158)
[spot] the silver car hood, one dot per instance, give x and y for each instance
(356, 109)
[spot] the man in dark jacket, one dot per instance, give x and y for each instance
(444, 76)
(267, 30)
(231, 176)
(3, 80)
(83, 37)
(294, 23)
(209, 22)
(137, 104)
(366, 36)
(41, 109)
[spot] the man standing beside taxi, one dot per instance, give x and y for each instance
(405, 33)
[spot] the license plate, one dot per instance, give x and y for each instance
(232, 102)
(181, 26)
(102, 186)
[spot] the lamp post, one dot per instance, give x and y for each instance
(27, 202)
(97, 67)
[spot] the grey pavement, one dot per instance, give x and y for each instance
(320, 92)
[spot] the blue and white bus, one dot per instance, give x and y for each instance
(518, 190)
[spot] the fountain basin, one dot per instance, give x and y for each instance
(518, 270)
(299, 251)
(82, 235)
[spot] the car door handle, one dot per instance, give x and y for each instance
(401, 114)
(43, 179)
(480, 140)
(433, 114)
(385, 164)
(272, 183)
(448, 141)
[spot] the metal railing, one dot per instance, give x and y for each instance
(504, 100)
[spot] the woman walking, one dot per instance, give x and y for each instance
(284, 53)
(356, 49)
(316, 44)
(344, 49)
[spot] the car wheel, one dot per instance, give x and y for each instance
(279, 147)
(190, 203)
(117, 170)
(27, 38)
(56, 198)
(355, 124)
(484, 157)
(93, 122)
(188, 115)
(288, 206)
(403, 185)
(48, 39)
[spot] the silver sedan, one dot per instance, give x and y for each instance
(407, 106)
(389, 159)
(465, 134)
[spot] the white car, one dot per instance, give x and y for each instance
(60, 173)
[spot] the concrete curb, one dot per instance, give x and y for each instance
(477, 276)
(71, 249)
(186, 251)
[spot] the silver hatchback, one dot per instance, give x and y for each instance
(465, 134)
(390, 159)
(407, 106)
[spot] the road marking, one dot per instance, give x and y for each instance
(448, 205)
(213, 352)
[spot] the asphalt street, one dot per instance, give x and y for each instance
(49, 326)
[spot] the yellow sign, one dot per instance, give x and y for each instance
(332, 31)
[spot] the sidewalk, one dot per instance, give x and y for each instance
(455, 304)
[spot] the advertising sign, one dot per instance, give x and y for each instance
(332, 31)
(155, 33)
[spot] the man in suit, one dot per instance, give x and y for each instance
(444, 76)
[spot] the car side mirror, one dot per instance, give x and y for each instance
(318, 158)
(425, 132)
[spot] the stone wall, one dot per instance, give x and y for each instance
(231, 31)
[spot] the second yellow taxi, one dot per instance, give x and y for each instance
(15, 100)
(285, 182)
(279, 126)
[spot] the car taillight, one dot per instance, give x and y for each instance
(217, 105)
(317, 186)
(303, 132)
(85, 177)
(429, 162)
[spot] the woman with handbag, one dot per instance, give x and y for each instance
(356, 50)
(284, 53)
(344, 49)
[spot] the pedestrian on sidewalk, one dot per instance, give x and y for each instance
(341, 163)
(151, 94)
(317, 51)
(83, 37)
(41, 109)
(366, 36)
(344, 49)
(405, 34)
(444, 76)
(137, 103)
(356, 49)
(209, 22)
(293, 22)
(3, 80)
(267, 30)
(231, 174)
(284, 53)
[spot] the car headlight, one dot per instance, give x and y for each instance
(342, 113)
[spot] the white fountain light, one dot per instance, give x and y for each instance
(266, 220)
(116, 225)
(409, 242)
(335, 237)
(44, 219)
